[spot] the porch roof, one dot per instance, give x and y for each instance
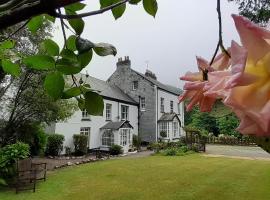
(168, 117)
(117, 125)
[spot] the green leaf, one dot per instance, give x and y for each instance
(51, 47)
(83, 45)
(39, 62)
(85, 89)
(119, 10)
(69, 55)
(35, 23)
(54, 84)
(75, 6)
(94, 104)
(76, 24)
(68, 67)
(105, 3)
(134, 2)
(150, 6)
(81, 103)
(85, 58)
(50, 18)
(104, 49)
(71, 43)
(7, 44)
(72, 92)
(11, 68)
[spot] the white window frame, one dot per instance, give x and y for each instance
(171, 106)
(85, 115)
(124, 112)
(143, 104)
(164, 126)
(107, 138)
(162, 104)
(135, 85)
(108, 112)
(86, 131)
(124, 136)
(175, 129)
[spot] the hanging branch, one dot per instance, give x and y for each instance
(63, 29)
(220, 40)
(87, 14)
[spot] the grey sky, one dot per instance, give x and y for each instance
(181, 30)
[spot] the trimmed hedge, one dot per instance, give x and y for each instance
(116, 149)
(54, 144)
(80, 144)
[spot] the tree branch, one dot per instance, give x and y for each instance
(27, 11)
(87, 14)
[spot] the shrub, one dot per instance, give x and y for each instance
(136, 141)
(116, 149)
(170, 152)
(163, 134)
(54, 144)
(80, 144)
(8, 156)
(34, 135)
(68, 151)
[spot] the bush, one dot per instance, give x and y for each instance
(8, 156)
(54, 144)
(136, 141)
(116, 149)
(35, 136)
(170, 152)
(80, 144)
(163, 134)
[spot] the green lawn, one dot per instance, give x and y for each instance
(156, 177)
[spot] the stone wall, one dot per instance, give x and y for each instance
(123, 78)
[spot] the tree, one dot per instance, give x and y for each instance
(228, 124)
(76, 53)
(256, 11)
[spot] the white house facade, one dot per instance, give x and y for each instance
(117, 125)
(134, 104)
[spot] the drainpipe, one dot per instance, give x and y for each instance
(156, 89)
(139, 116)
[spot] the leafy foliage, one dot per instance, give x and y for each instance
(256, 11)
(8, 156)
(80, 144)
(54, 144)
(116, 149)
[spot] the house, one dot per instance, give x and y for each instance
(134, 104)
(117, 125)
(159, 107)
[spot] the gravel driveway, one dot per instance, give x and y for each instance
(252, 152)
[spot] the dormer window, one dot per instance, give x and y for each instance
(135, 85)
(85, 115)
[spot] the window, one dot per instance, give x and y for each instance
(108, 111)
(175, 129)
(85, 115)
(124, 112)
(135, 85)
(86, 131)
(178, 106)
(171, 106)
(124, 134)
(107, 138)
(164, 127)
(143, 103)
(161, 104)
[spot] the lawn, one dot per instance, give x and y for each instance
(156, 177)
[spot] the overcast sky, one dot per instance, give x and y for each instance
(169, 42)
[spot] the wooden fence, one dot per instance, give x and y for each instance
(231, 141)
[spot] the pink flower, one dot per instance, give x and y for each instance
(246, 88)
(195, 87)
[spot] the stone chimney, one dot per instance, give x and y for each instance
(150, 74)
(123, 62)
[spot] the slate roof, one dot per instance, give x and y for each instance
(168, 88)
(107, 90)
(116, 125)
(168, 117)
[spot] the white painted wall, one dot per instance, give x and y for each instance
(72, 126)
(167, 98)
